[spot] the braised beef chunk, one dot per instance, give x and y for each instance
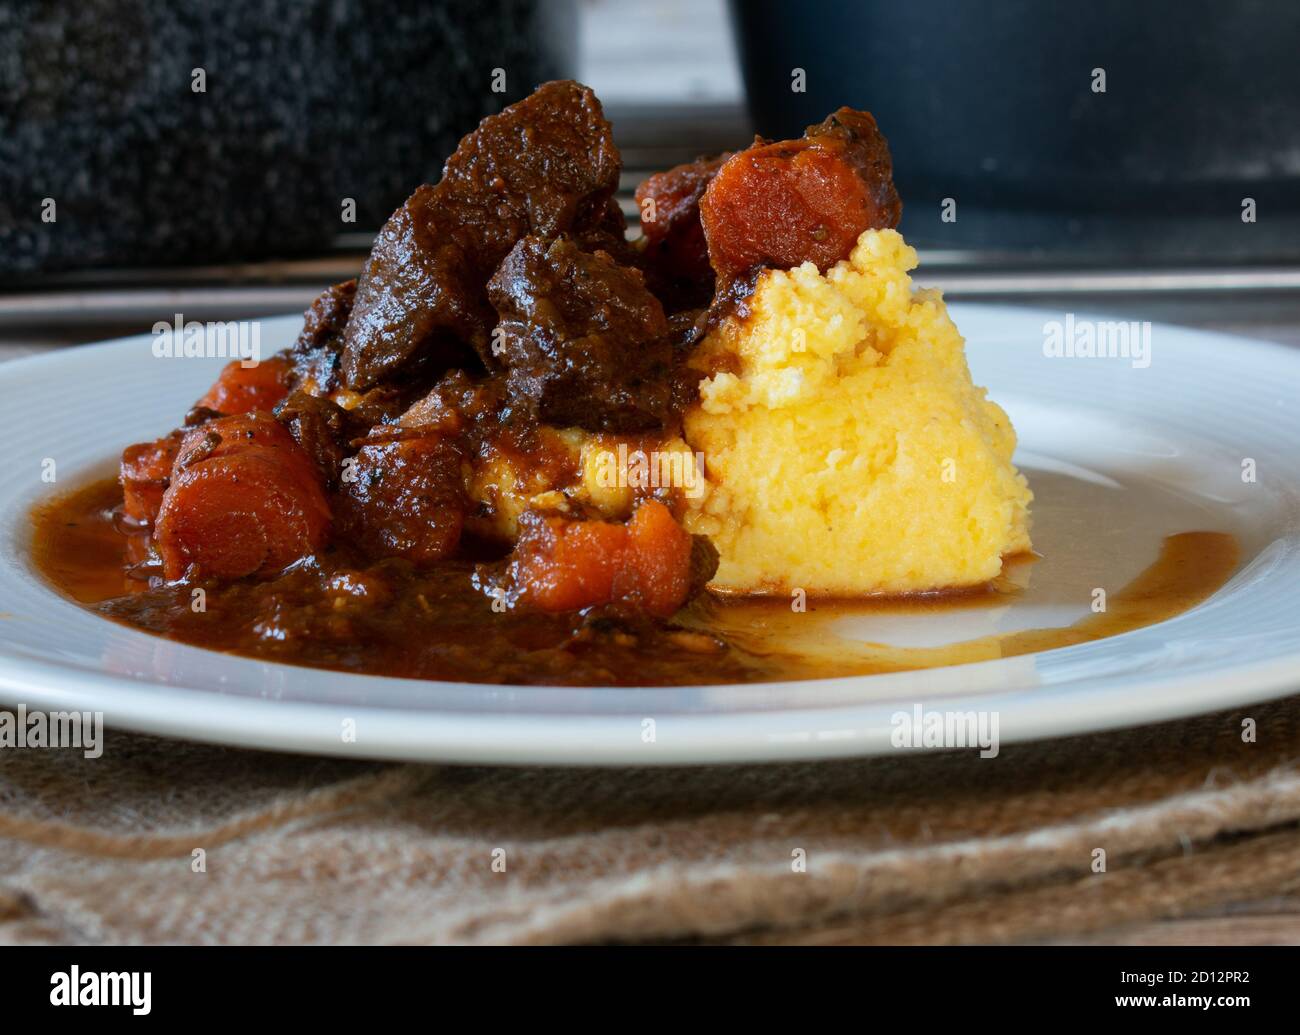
(419, 297)
(584, 342)
(676, 254)
(608, 234)
(458, 404)
(316, 352)
(324, 320)
(317, 369)
(803, 200)
(547, 165)
(704, 563)
(404, 498)
(323, 429)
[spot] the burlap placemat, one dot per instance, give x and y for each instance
(909, 848)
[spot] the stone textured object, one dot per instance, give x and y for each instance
(307, 102)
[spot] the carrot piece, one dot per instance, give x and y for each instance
(244, 499)
(657, 561)
(563, 565)
(240, 389)
(145, 472)
(803, 200)
(671, 224)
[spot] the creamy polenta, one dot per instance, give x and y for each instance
(847, 450)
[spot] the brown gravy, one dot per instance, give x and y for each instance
(389, 619)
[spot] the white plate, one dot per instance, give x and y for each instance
(1120, 457)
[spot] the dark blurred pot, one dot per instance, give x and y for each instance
(992, 101)
(308, 102)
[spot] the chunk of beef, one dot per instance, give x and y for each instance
(798, 201)
(676, 254)
(404, 497)
(546, 165)
(316, 352)
(324, 320)
(704, 564)
(608, 234)
(324, 431)
(583, 340)
(458, 404)
(420, 294)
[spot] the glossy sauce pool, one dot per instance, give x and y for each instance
(387, 619)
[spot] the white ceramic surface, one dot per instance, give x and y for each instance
(1120, 457)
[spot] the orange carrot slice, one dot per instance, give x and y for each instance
(244, 500)
(564, 565)
(145, 471)
(240, 389)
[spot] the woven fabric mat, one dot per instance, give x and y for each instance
(913, 848)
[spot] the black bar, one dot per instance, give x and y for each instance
(336, 985)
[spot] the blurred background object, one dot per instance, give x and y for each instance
(170, 133)
(1104, 131)
(228, 204)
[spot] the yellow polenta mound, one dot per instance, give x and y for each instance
(849, 453)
